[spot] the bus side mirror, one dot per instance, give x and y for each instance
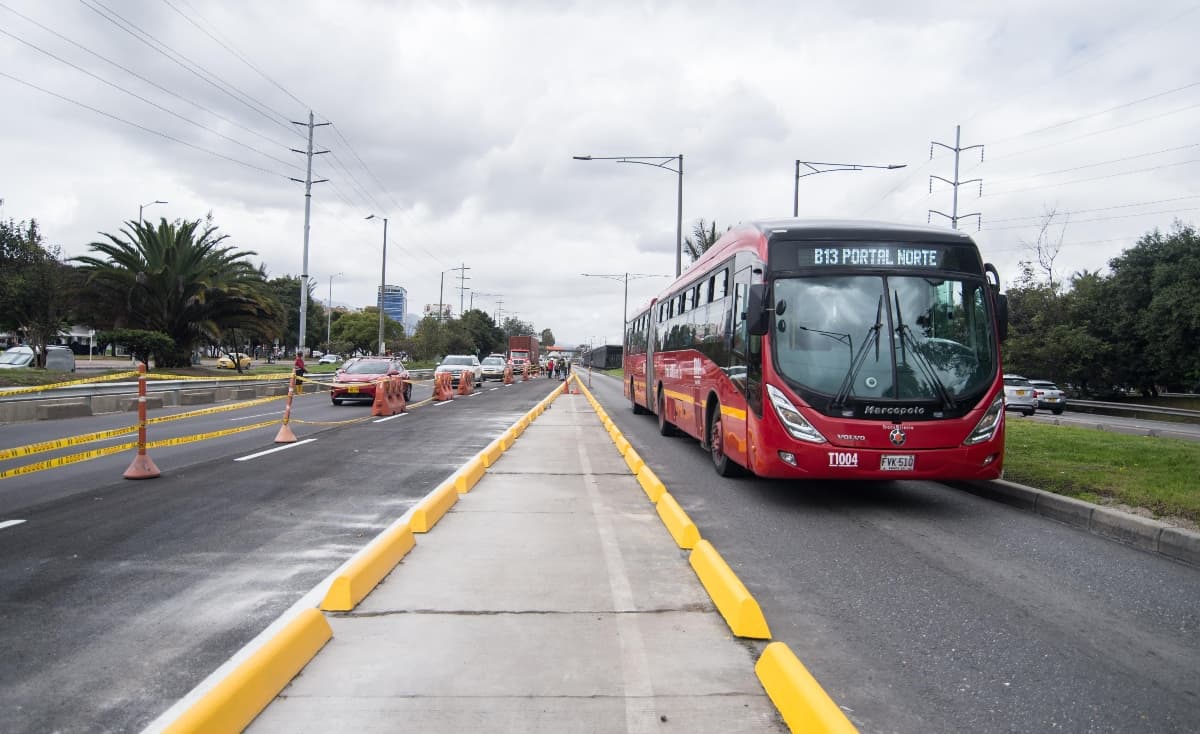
(756, 311)
(1002, 316)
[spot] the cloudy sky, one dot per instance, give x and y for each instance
(458, 122)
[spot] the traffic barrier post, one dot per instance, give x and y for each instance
(465, 383)
(400, 404)
(508, 375)
(285, 434)
(142, 466)
(441, 387)
(382, 405)
(525, 373)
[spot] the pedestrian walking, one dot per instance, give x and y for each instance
(299, 366)
(550, 368)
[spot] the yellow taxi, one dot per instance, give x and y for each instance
(225, 361)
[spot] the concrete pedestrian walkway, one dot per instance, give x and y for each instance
(549, 599)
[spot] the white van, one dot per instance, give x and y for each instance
(59, 359)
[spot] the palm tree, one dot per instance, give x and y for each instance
(703, 239)
(178, 280)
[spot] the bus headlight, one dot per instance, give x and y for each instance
(986, 428)
(795, 423)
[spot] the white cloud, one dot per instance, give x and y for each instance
(468, 115)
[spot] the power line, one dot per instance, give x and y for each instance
(144, 99)
(147, 80)
(1093, 178)
(141, 127)
(1097, 209)
(1102, 163)
(1098, 219)
(230, 49)
(1096, 114)
(223, 87)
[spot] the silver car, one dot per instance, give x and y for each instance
(1019, 394)
(1049, 396)
(493, 367)
(461, 364)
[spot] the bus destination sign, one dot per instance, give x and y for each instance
(872, 256)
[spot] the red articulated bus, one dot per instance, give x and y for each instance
(829, 350)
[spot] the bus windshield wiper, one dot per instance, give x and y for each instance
(922, 361)
(860, 357)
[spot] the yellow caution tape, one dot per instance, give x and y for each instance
(82, 381)
(218, 409)
(205, 436)
(216, 378)
(64, 460)
(62, 443)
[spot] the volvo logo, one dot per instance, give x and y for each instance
(897, 436)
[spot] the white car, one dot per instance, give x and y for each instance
(458, 365)
(329, 359)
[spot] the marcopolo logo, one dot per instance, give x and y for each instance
(894, 410)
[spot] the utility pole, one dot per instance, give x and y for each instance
(308, 182)
(462, 286)
(441, 289)
(954, 216)
(623, 277)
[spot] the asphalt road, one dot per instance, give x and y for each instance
(924, 609)
(119, 596)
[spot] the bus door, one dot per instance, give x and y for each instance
(733, 412)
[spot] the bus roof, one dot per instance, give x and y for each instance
(860, 229)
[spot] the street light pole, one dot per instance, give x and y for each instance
(329, 310)
(828, 168)
(657, 161)
(382, 283)
(150, 203)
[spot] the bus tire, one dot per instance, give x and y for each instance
(724, 465)
(637, 409)
(664, 426)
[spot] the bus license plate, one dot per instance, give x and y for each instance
(896, 462)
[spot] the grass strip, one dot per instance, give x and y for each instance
(1159, 474)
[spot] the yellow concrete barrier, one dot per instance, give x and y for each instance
(366, 571)
(681, 527)
(622, 444)
(740, 610)
(244, 693)
(634, 460)
(651, 484)
(803, 703)
(492, 453)
(431, 509)
(508, 438)
(469, 475)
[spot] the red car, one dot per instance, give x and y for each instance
(357, 377)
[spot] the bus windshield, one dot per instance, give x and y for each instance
(911, 337)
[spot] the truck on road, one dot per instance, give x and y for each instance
(523, 350)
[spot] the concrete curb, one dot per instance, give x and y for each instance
(1140, 532)
(803, 703)
(367, 570)
(434, 507)
(679, 525)
(733, 599)
(245, 692)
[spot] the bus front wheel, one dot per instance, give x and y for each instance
(725, 466)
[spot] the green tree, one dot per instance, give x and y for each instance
(143, 345)
(701, 239)
(547, 338)
(485, 336)
(36, 288)
(177, 279)
(286, 289)
(515, 327)
(359, 331)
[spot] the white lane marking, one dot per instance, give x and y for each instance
(492, 388)
(10, 523)
(474, 394)
(444, 402)
(277, 448)
(385, 420)
(260, 415)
